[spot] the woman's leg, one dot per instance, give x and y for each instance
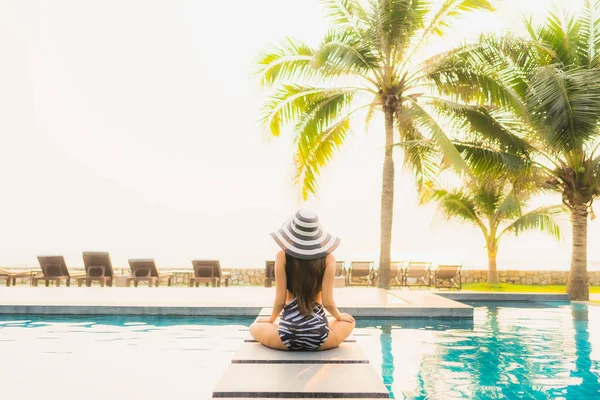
(338, 332)
(267, 334)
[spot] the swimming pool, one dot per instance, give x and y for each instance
(509, 350)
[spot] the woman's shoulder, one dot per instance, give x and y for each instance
(280, 256)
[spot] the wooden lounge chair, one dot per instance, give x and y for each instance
(360, 269)
(11, 276)
(419, 271)
(97, 268)
(145, 270)
(450, 274)
(208, 271)
(340, 269)
(396, 273)
(54, 269)
(269, 273)
(341, 274)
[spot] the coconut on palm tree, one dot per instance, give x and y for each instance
(367, 61)
(544, 93)
(495, 204)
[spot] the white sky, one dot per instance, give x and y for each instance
(131, 126)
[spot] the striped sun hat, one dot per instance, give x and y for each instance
(302, 237)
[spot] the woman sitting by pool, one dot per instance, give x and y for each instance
(304, 276)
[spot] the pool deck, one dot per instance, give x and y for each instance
(232, 301)
(468, 295)
(259, 372)
(244, 301)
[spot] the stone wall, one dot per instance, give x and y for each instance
(250, 276)
(527, 277)
(256, 277)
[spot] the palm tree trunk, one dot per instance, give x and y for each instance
(493, 277)
(387, 202)
(577, 285)
(492, 250)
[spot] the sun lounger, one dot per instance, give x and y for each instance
(418, 271)
(269, 273)
(11, 276)
(340, 269)
(54, 269)
(97, 268)
(208, 271)
(450, 274)
(145, 270)
(395, 274)
(360, 269)
(341, 275)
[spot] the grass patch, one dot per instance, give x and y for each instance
(511, 287)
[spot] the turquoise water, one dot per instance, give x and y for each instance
(509, 351)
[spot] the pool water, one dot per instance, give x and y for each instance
(509, 351)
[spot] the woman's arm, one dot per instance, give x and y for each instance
(280, 286)
(327, 288)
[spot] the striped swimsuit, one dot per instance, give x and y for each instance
(298, 332)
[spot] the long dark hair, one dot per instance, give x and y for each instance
(306, 285)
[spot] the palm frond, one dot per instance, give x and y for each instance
(589, 51)
(510, 206)
(562, 35)
(487, 193)
(347, 14)
(458, 204)
(421, 157)
(318, 117)
(342, 52)
(484, 159)
(314, 152)
(476, 74)
(287, 61)
(493, 126)
(374, 105)
(565, 105)
(541, 219)
(453, 9)
(393, 24)
(288, 104)
(426, 123)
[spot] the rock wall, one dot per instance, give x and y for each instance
(256, 277)
(527, 277)
(251, 276)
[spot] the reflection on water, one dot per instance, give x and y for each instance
(515, 350)
(509, 351)
(98, 357)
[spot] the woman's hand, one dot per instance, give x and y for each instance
(344, 317)
(264, 320)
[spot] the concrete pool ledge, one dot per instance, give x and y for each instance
(259, 372)
(233, 301)
(503, 296)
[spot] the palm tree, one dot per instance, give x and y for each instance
(367, 61)
(549, 83)
(494, 204)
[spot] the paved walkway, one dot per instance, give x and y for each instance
(244, 301)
